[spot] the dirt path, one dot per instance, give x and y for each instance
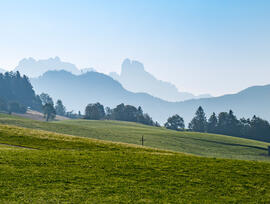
(9, 145)
(34, 115)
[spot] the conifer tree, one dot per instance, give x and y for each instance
(212, 123)
(60, 108)
(199, 122)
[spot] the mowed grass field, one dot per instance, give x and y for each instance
(202, 144)
(44, 167)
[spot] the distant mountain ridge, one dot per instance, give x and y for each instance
(77, 91)
(132, 73)
(134, 78)
(35, 68)
(85, 70)
(251, 101)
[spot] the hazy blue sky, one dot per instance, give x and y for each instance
(206, 46)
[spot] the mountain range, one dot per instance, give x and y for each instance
(35, 68)
(134, 86)
(77, 91)
(133, 77)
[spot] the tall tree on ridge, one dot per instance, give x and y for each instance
(94, 111)
(199, 122)
(60, 108)
(49, 111)
(212, 123)
(175, 123)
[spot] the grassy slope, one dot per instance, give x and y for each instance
(209, 145)
(60, 168)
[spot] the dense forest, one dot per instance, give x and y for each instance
(17, 94)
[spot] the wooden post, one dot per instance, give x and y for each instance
(268, 150)
(142, 140)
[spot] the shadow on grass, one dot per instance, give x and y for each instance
(229, 144)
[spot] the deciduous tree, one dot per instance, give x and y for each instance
(175, 123)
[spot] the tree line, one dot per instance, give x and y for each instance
(122, 112)
(96, 111)
(225, 123)
(17, 94)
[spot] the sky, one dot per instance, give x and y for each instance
(201, 46)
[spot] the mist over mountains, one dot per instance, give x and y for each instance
(2, 70)
(85, 70)
(77, 91)
(137, 87)
(35, 68)
(133, 77)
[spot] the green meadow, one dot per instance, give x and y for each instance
(44, 167)
(201, 144)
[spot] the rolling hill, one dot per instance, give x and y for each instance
(201, 144)
(35, 115)
(96, 87)
(45, 167)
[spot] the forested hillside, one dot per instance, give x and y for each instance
(16, 93)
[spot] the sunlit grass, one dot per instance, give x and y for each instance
(202, 144)
(60, 168)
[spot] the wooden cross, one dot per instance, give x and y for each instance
(142, 140)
